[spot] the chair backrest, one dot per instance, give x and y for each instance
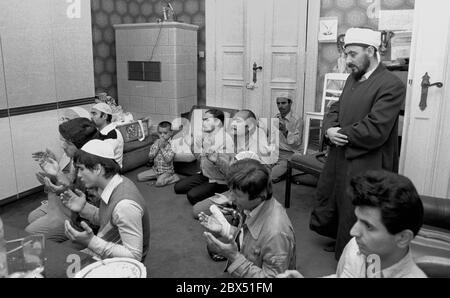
(434, 267)
(332, 89)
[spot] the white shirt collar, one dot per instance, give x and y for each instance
(110, 187)
(401, 268)
(254, 212)
(108, 128)
(367, 75)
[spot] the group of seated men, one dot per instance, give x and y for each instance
(94, 208)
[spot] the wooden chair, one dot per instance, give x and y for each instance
(332, 89)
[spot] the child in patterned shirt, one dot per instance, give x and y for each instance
(162, 155)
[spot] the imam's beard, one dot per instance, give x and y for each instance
(358, 72)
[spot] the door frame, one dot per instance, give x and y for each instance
(210, 46)
(312, 55)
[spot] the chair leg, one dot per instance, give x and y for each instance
(287, 194)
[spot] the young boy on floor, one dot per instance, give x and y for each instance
(162, 155)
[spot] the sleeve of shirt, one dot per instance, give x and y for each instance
(267, 153)
(372, 132)
(127, 216)
(225, 155)
(153, 150)
(294, 137)
(348, 263)
(277, 254)
(331, 119)
(90, 212)
(168, 153)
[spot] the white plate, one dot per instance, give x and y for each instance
(114, 268)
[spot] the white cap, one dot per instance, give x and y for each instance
(99, 148)
(360, 36)
(286, 94)
(247, 155)
(103, 107)
(76, 112)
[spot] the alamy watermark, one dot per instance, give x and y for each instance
(74, 9)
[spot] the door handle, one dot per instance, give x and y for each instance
(425, 85)
(255, 69)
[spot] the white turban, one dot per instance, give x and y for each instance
(360, 36)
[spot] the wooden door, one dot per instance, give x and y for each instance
(268, 33)
(425, 154)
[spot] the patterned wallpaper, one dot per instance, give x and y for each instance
(350, 13)
(106, 13)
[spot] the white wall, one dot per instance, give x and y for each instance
(45, 57)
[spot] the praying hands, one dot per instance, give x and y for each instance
(74, 202)
(216, 223)
(83, 237)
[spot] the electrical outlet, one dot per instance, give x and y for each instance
(201, 54)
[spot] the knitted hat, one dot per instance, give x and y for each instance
(247, 155)
(99, 148)
(286, 94)
(76, 112)
(79, 131)
(103, 107)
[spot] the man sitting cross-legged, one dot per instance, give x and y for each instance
(215, 150)
(122, 216)
(251, 142)
(389, 215)
(263, 245)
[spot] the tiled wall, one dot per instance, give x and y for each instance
(106, 13)
(176, 93)
(350, 13)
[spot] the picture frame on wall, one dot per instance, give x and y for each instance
(328, 28)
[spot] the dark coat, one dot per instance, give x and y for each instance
(367, 112)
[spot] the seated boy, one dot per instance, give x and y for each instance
(162, 155)
(389, 215)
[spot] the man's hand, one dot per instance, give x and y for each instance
(40, 177)
(290, 274)
(210, 223)
(74, 202)
(337, 138)
(83, 237)
(213, 157)
(53, 187)
(283, 127)
(228, 250)
(41, 155)
(162, 143)
(49, 166)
